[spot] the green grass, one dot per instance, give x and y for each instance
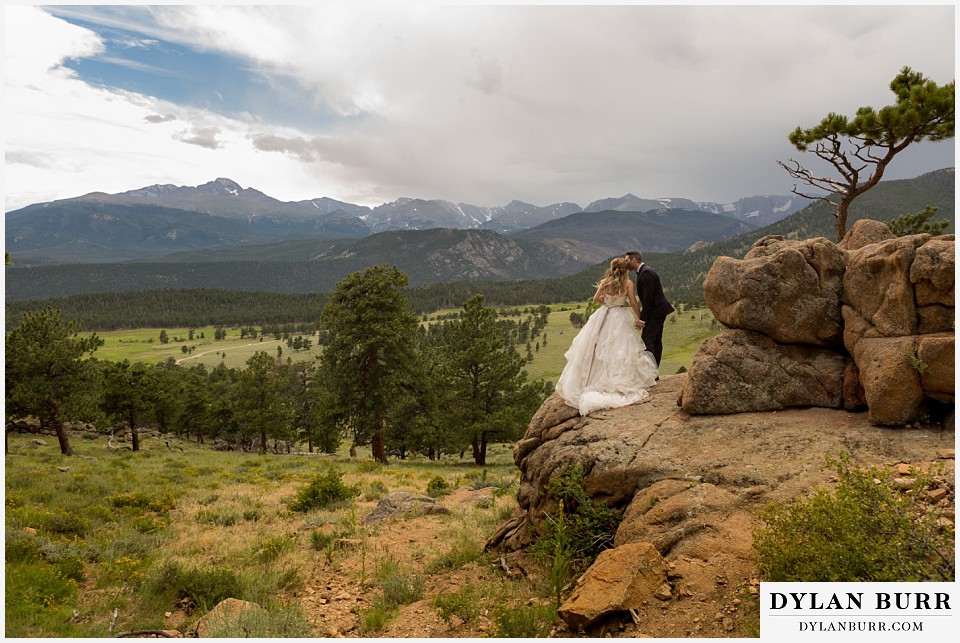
(682, 338)
(142, 532)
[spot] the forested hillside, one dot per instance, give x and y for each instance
(207, 306)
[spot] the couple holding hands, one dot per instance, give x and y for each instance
(608, 364)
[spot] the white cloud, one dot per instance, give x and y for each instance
(28, 57)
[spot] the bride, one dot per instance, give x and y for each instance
(608, 365)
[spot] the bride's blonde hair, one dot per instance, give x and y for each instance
(613, 279)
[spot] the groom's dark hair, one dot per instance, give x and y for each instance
(636, 253)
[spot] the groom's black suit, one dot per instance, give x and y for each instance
(654, 309)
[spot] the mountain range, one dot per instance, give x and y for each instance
(136, 257)
(160, 220)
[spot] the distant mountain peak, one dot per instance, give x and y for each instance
(221, 186)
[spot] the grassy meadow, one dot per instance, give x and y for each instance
(111, 541)
(681, 339)
(143, 345)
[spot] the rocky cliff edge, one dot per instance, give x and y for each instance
(689, 487)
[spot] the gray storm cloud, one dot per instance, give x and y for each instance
(200, 136)
(485, 104)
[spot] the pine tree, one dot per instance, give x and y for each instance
(918, 223)
(46, 373)
(861, 148)
(129, 389)
(490, 396)
(261, 403)
(367, 365)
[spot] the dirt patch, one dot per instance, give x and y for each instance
(339, 589)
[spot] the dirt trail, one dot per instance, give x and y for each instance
(229, 348)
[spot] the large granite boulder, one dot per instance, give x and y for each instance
(890, 381)
(932, 275)
(865, 232)
(787, 290)
(935, 363)
(742, 370)
(899, 324)
(877, 284)
(933, 272)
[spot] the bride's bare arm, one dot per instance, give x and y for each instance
(632, 295)
(598, 296)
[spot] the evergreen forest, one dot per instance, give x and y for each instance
(383, 379)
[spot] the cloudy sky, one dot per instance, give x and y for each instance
(475, 104)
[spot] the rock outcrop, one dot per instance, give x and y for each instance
(619, 580)
(813, 323)
(689, 488)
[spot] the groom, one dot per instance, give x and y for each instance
(654, 307)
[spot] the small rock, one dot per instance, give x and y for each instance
(168, 614)
(728, 624)
(944, 522)
(935, 495)
(946, 454)
(903, 469)
(663, 593)
(30, 531)
(38, 442)
(904, 483)
(226, 609)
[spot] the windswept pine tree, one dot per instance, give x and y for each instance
(860, 148)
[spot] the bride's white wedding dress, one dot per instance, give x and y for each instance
(608, 365)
